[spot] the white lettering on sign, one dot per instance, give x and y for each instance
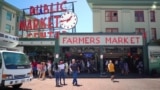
(77, 40)
(122, 40)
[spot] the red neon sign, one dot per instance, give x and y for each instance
(44, 9)
(46, 22)
(43, 23)
(43, 34)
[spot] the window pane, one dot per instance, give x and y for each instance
(12, 60)
(111, 30)
(154, 33)
(139, 16)
(8, 28)
(9, 16)
(111, 16)
(1, 35)
(152, 16)
(140, 30)
(108, 30)
(108, 14)
(114, 19)
(141, 19)
(114, 16)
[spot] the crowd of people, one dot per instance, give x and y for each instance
(124, 66)
(59, 70)
(40, 69)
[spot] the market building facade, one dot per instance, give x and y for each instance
(122, 31)
(130, 17)
(98, 48)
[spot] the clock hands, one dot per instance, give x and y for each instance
(67, 20)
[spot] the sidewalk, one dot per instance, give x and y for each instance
(107, 75)
(95, 84)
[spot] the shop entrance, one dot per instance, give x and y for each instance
(89, 57)
(126, 59)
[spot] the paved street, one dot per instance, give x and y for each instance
(95, 84)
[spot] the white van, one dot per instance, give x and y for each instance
(15, 68)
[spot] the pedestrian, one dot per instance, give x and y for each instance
(106, 64)
(49, 65)
(116, 64)
(34, 68)
(40, 70)
(111, 69)
(56, 70)
(62, 72)
(66, 68)
(39, 67)
(88, 65)
(126, 68)
(83, 66)
(121, 66)
(74, 68)
(43, 71)
(140, 67)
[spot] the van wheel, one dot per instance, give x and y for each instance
(17, 86)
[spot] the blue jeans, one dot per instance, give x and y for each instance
(62, 76)
(34, 69)
(75, 74)
(57, 76)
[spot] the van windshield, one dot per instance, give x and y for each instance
(15, 60)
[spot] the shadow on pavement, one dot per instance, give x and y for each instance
(78, 85)
(115, 81)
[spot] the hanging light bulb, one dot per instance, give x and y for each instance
(154, 6)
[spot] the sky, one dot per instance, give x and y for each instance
(82, 10)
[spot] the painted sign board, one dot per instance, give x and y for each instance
(96, 40)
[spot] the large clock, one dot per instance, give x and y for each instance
(68, 20)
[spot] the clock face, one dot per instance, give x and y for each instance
(68, 20)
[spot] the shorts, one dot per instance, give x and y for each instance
(112, 73)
